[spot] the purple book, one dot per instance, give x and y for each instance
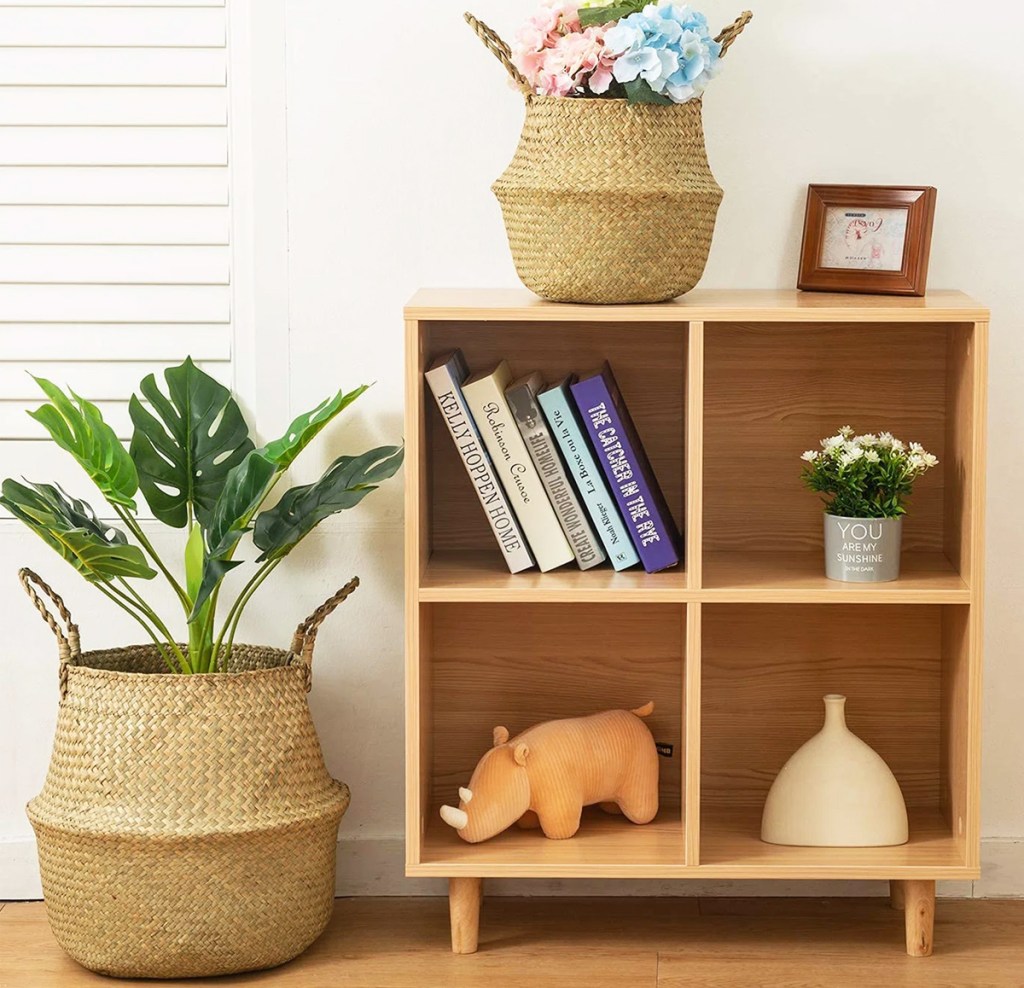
(621, 454)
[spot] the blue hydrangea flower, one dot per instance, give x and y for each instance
(668, 45)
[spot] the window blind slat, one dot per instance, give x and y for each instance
(114, 186)
(116, 67)
(113, 146)
(153, 225)
(129, 303)
(91, 26)
(100, 265)
(25, 343)
(101, 380)
(37, 106)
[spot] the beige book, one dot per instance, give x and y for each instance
(485, 397)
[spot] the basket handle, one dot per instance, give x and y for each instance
(501, 51)
(733, 31)
(305, 635)
(68, 646)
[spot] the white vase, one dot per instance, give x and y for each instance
(836, 791)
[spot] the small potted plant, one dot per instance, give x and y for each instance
(188, 824)
(865, 482)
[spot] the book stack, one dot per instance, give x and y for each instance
(559, 468)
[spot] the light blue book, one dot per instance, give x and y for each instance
(560, 411)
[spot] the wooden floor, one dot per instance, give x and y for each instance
(619, 943)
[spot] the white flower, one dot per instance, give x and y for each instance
(868, 439)
(872, 456)
(851, 454)
(917, 448)
(898, 446)
(886, 439)
(846, 431)
(833, 444)
(810, 456)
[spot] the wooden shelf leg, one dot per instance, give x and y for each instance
(464, 896)
(897, 898)
(919, 914)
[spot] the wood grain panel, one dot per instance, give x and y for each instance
(773, 391)
(649, 363)
(961, 452)
(519, 665)
(719, 305)
(767, 668)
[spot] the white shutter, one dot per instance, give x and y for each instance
(115, 216)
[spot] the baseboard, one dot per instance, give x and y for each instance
(376, 867)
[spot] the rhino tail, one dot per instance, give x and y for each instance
(645, 711)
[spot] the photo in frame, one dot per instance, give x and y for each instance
(869, 239)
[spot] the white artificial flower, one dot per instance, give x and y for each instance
(846, 431)
(898, 446)
(833, 443)
(810, 456)
(868, 439)
(886, 439)
(851, 454)
(872, 456)
(916, 448)
(930, 460)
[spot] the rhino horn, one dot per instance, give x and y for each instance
(458, 819)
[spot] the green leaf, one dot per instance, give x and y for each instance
(307, 427)
(195, 551)
(639, 91)
(98, 551)
(594, 16)
(345, 485)
(186, 447)
(77, 426)
(244, 491)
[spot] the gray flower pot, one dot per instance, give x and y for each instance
(863, 550)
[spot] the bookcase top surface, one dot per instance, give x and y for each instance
(754, 305)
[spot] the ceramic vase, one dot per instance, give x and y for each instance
(836, 791)
(863, 550)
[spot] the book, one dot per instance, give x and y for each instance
(485, 398)
(560, 410)
(628, 470)
(522, 399)
(445, 379)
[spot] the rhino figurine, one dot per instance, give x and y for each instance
(546, 775)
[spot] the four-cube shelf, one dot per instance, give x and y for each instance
(727, 390)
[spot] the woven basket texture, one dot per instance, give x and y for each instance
(609, 203)
(188, 825)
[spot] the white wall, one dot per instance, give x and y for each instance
(397, 124)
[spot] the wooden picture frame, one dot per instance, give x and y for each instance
(857, 239)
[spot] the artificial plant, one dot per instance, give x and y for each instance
(193, 460)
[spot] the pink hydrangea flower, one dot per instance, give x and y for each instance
(560, 58)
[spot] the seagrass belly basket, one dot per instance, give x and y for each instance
(188, 825)
(608, 202)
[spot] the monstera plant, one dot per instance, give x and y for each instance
(194, 462)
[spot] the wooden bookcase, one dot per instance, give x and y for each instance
(737, 648)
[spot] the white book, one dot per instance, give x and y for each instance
(485, 397)
(445, 379)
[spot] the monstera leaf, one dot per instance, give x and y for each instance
(306, 428)
(244, 491)
(595, 16)
(77, 426)
(100, 553)
(186, 447)
(345, 485)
